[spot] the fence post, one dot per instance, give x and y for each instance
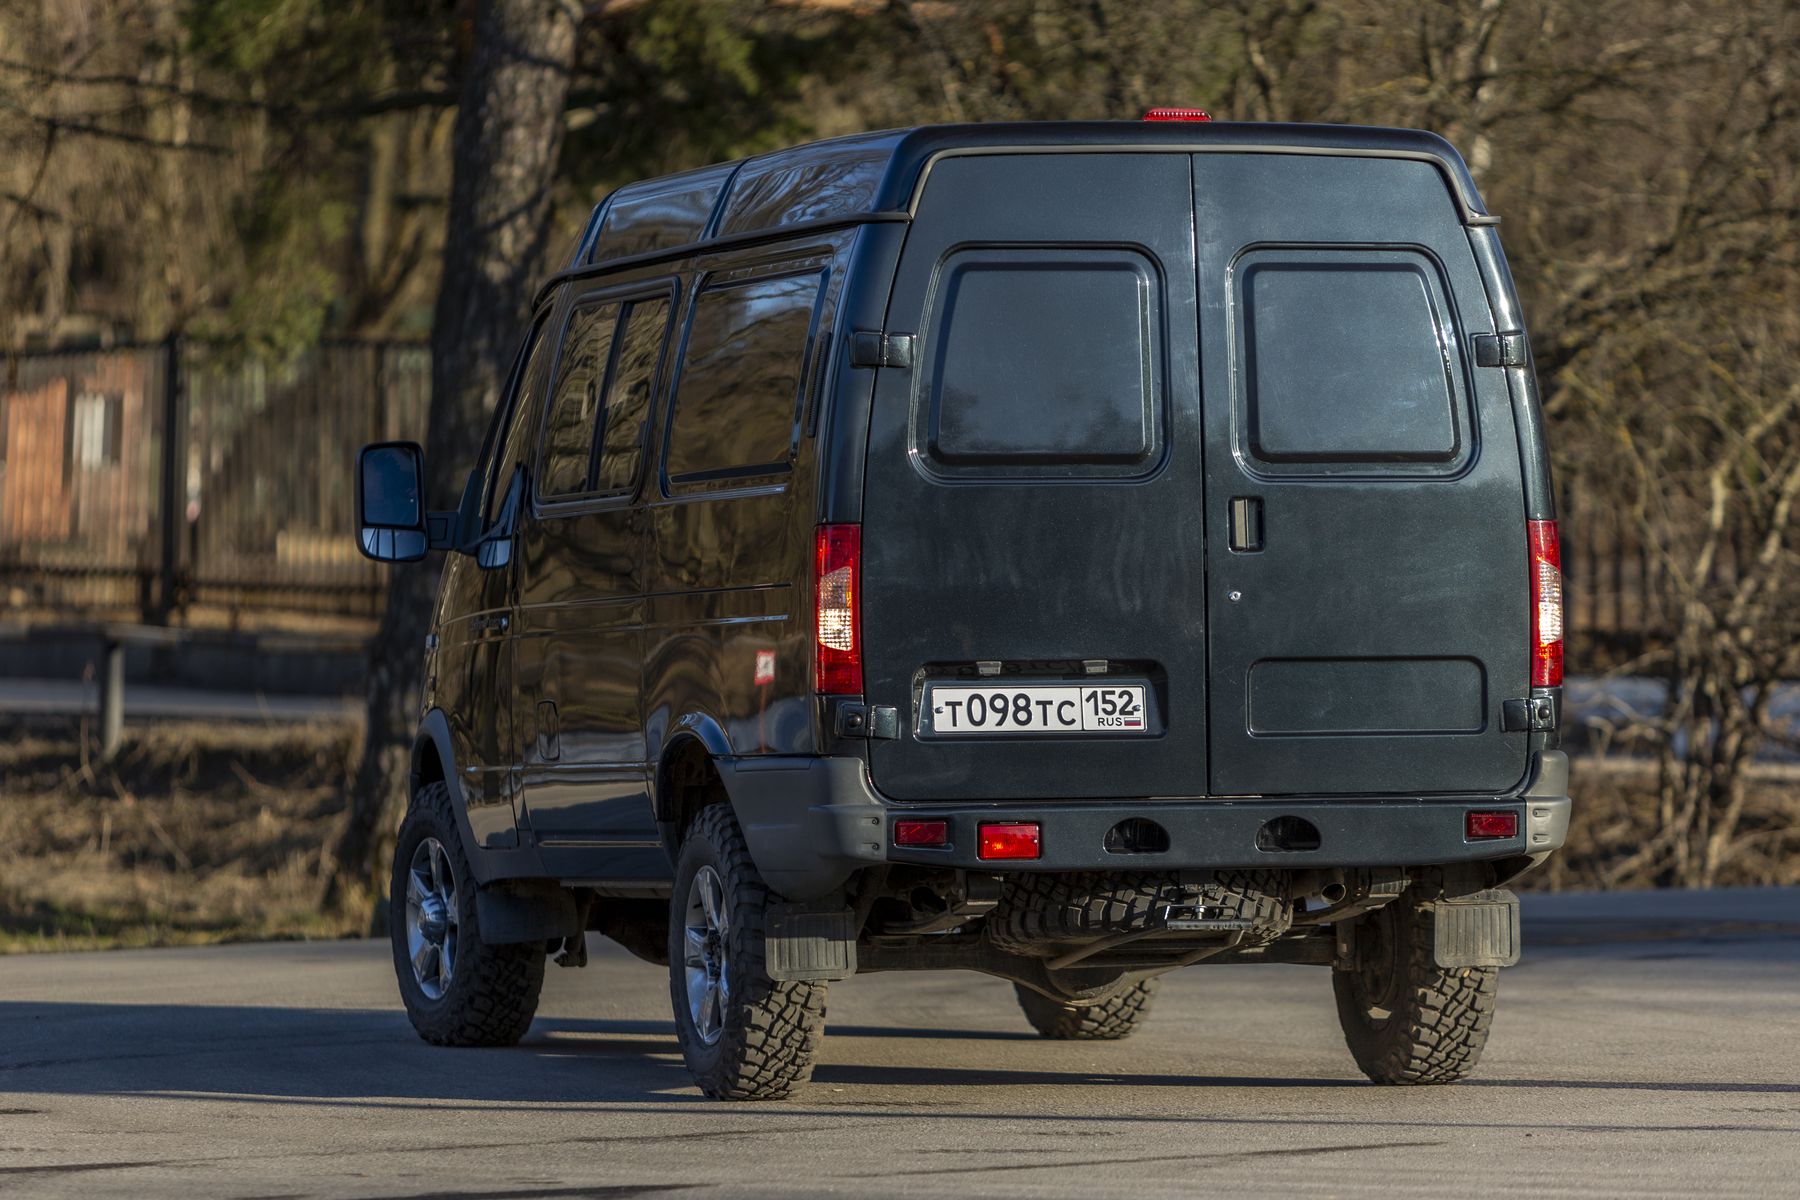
(112, 695)
(170, 516)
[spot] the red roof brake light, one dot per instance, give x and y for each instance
(1545, 548)
(1177, 114)
(837, 610)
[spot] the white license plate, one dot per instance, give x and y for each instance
(1069, 708)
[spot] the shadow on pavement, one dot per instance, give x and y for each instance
(371, 1058)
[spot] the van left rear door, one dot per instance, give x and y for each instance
(1033, 540)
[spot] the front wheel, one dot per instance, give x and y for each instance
(458, 990)
(1406, 1019)
(1113, 1018)
(744, 1036)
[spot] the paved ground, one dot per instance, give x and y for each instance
(1661, 1061)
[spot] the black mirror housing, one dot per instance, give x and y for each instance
(391, 522)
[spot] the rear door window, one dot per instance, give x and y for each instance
(736, 408)
(1042, 361)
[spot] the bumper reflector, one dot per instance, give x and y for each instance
(921, 833)
(1014, 840)
(1481, 825)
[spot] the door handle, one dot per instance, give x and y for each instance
(1246, 524)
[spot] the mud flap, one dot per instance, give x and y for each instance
(1477, 930)
(809, 942)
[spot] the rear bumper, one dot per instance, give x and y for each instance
(812, 822)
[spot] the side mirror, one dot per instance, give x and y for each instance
(390, 502)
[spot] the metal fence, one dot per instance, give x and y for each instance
(149, 480)
(246, 508)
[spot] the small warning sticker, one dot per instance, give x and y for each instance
(765, 667)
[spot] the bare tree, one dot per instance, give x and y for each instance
(509, 131)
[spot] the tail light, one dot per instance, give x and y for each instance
(1478, 826)
(837, 610)
(1008, 840)
(1177, 114)
(1546, 604)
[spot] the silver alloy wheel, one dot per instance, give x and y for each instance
(706, 934)
(431, 920)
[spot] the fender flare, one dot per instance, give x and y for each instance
(700, 728)
(488, 864)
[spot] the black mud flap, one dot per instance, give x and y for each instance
(809, 942)
(1477, 930)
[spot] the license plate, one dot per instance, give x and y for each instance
(1066, 708)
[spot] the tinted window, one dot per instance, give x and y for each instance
(1042, 356)
(740, 378)
(575, 411)
(1346, 358)
(520, 422)
(628, 394)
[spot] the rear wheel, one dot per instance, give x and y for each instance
(744, 1036)
(1113, 1018)
(458, 990)
(1406, 1019)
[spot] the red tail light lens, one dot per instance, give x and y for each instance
(1483, 825)
(921, 833)
(1546, 604)
(1020, 840)
(1177, 114)
(837, 610)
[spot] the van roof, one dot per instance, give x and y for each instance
(878, 177)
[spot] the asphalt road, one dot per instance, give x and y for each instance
(1635, 1053)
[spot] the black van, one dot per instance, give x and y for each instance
(1064, 551)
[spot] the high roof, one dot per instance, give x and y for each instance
(877, 176)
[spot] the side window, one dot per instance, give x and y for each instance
(737, 397)
(628, 395)
(575, 408)
(515, 447)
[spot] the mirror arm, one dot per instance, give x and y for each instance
(440, 529)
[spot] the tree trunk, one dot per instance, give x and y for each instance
(508, 136)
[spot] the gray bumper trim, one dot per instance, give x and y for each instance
(812, 822)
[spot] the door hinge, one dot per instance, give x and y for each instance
(1537, 714)
(1507, 349)
(871, 348)
(867, 721)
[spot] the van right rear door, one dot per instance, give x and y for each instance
(1032, 522)
(1372, 616)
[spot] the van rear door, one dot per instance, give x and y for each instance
(1033, 540)
(1372, 615)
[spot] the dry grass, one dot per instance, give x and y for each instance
(214, 832)
(198, 833)
(1615, 813)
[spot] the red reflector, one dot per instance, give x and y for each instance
(1546, 603)
(837, 610)
(921, 833)
(1177, 114)
(1009, 841)
(1491, 825)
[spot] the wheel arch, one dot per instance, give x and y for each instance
(434, 761)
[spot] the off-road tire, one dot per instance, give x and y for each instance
(771, 1030)
(1113, 1018)
(1039, 912)
(1437, 1018)
(493, 992)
